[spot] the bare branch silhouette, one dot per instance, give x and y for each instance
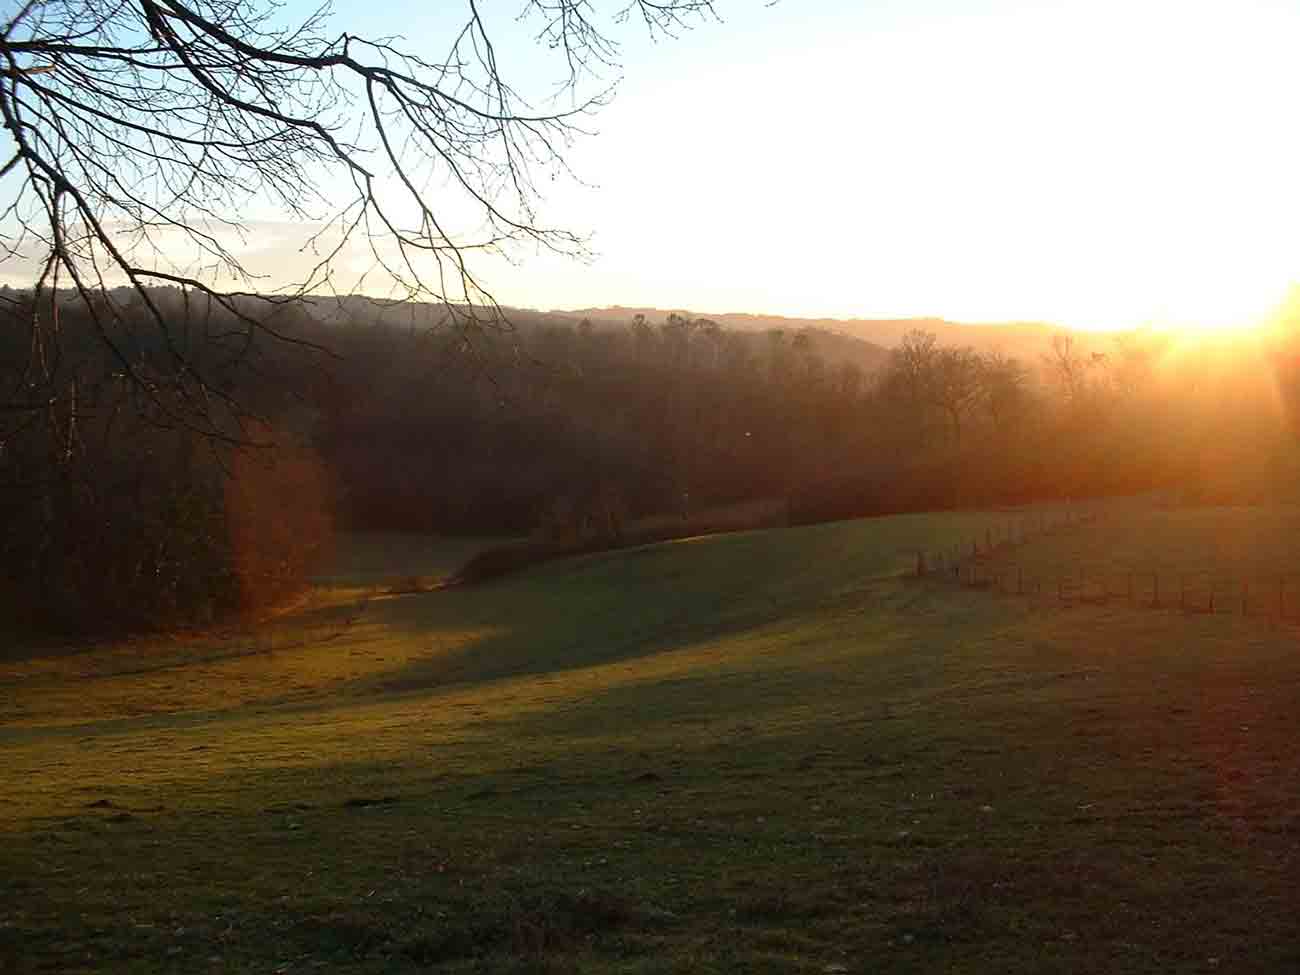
(144, 133)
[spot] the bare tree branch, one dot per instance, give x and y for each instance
(145, 133)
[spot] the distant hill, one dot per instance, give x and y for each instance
(864, 341)
(1026, 340)
(833, 342)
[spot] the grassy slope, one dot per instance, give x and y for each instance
(764, 752)
(383, 558)
(1194, 549)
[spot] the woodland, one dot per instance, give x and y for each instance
(567, 429)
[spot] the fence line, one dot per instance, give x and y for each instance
(1199, 592)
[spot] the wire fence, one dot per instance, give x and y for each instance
(989, 563)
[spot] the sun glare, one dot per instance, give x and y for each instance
(1228, 307)
(1220, 304)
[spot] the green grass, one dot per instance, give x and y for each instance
(760, 752)
(392, 560)
(1192, 552)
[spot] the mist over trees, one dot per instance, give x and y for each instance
(568, 428)
(175, 445)
(427, 431)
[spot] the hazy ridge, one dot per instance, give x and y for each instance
(1026, 340)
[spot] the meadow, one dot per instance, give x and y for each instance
(1192, 559)
(769, 751)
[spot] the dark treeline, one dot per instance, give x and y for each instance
(154, 478)
(508, 431)
(123, 506)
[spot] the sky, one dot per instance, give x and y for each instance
(1096, 164)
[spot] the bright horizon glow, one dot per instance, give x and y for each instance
(917, 160)
(1085, 164)
(1096, 164)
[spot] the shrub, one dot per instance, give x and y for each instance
(156, 528)
(277, 520)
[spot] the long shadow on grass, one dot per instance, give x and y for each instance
(616, 606)
(569, 615)
(870, 843)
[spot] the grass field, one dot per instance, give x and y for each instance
(383, 558)
(1189, 558)
(770, 751)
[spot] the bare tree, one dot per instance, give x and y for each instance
(929, 376)
(1005, 384)
(143, 131)
(1134, 361)
(912, 365)
(1073, 369)
(956, 385)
